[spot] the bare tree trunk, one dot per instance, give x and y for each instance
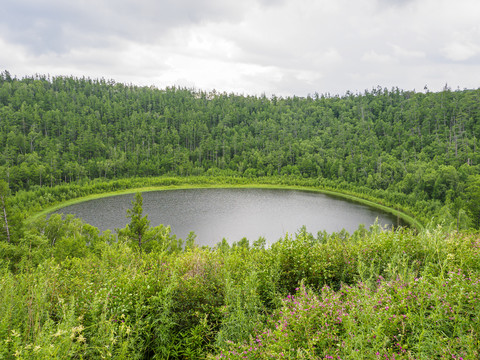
(5, 218)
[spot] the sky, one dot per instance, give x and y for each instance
(249, 47)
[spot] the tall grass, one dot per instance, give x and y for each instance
(373, 294)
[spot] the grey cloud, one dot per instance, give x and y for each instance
(283, 47)
(58, 26)
(33, 24)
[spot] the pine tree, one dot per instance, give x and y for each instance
(138, 224)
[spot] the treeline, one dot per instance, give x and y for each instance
(419, 148)
(62, 129)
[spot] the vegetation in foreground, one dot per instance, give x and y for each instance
(68, 292)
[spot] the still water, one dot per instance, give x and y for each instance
(232, 214)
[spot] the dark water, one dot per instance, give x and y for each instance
(214, 214)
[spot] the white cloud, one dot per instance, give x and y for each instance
(407, 53)
(284, 47)
(460, 51)
(373, 57)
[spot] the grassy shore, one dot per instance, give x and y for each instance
(410, 220)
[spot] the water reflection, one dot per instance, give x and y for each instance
(214, 214)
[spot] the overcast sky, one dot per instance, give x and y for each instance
(289, 47)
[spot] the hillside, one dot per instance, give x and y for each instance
(63, 129)
(68, 291)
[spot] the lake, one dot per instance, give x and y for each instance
(214, 214)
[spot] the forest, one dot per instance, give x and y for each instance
(69, 291)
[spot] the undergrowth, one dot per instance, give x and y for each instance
(372, 294)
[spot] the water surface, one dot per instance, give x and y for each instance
(214, 214)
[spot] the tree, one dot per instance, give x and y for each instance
(473, 199)
(138, 224)
(4, 192)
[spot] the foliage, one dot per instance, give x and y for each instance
(395, 293)
(418, 147)
(4, 193)
(138, 224)
(424, 317)
(68, 291)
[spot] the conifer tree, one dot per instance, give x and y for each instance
(138, 224)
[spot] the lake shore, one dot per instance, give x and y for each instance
(253, 185)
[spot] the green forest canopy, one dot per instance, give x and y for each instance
(63, 129)
(68, 291)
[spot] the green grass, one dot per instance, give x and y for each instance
(373, 294)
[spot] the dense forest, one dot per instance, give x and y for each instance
(69, 291)
(64, 129)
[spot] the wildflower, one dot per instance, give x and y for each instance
(81, 339)
(59, 333)
(77, 329)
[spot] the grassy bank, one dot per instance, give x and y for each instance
(244, 183)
